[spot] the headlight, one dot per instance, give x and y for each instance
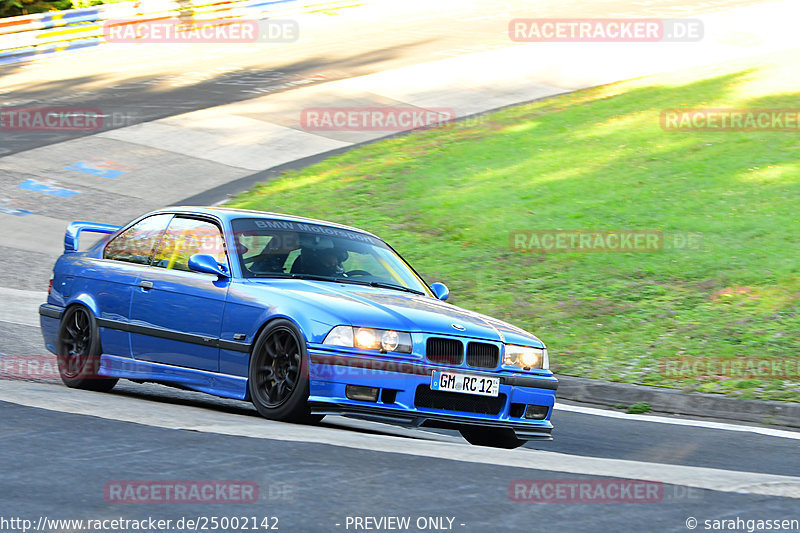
(526, 357)
(367, 339)
(384, 340)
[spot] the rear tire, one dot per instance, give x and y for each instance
(278, 374)
(78, 351)
(492, 437)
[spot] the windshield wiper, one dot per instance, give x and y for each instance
(384, 285)
(314, 277)
(286, 275)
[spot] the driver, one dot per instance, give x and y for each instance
(321, 262)
(329, 262)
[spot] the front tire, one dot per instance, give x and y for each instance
(78, 351)
(278, 374)
(492, 437)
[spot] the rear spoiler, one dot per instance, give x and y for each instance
(74, 230)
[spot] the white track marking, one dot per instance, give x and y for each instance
(679, 421)
(21, 307)
(165, 415)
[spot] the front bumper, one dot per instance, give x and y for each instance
(404, 395)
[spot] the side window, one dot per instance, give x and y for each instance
(137, 243)
(186, 237)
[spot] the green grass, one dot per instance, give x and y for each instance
(448, 198)
(639, 408)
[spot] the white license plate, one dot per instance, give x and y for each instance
(465, 383)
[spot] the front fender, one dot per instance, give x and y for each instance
(247, 311)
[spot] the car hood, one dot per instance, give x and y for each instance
(360, 305)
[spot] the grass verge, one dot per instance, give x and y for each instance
(449, 198)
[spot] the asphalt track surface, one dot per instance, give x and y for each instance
(314, 487)
(60, 447)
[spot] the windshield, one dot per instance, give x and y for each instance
(278, 248)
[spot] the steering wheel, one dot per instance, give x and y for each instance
(358, 273)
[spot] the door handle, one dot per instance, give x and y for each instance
(146, 285)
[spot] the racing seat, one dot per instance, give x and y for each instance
(308, 263)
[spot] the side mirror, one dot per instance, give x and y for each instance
(206, 264)
(440, 290)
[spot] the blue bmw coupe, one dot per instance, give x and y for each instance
(301, 317)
